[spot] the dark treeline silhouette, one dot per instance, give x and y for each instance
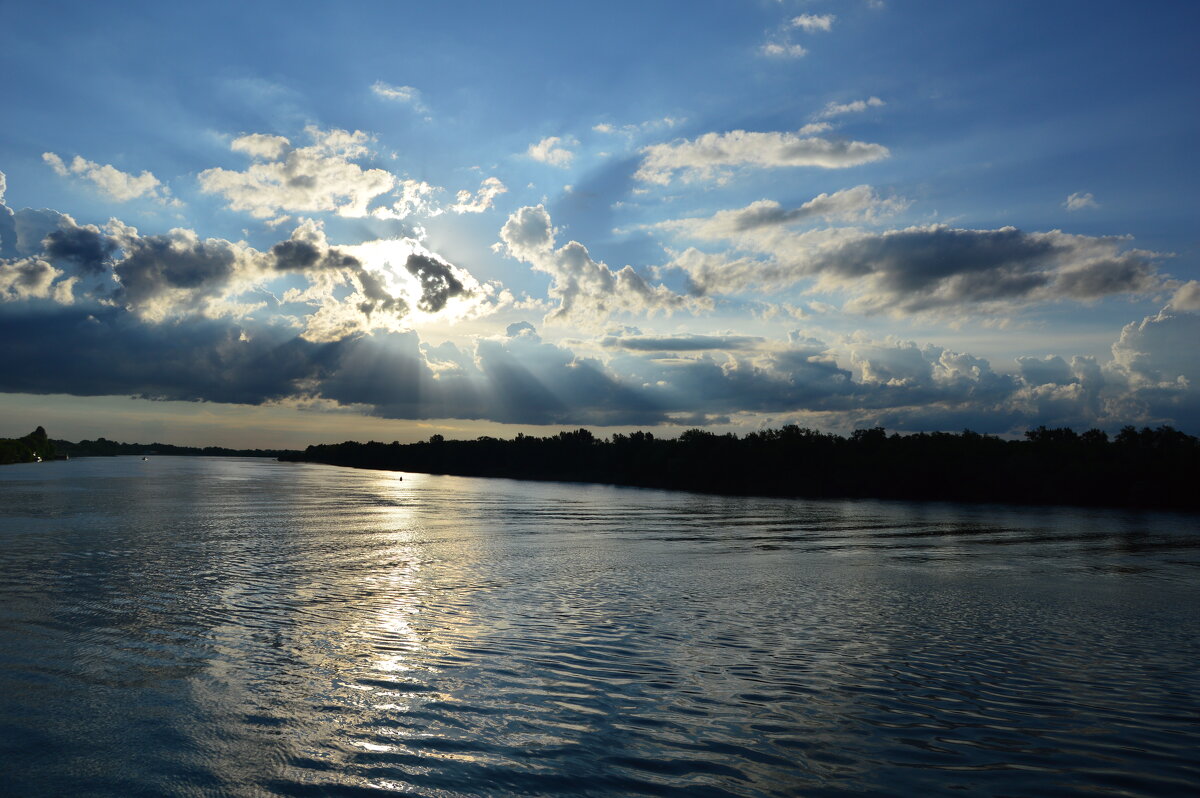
(27, 449)
(102, 447)
(1146, 468)
(38, 445)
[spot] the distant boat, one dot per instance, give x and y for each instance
(144, 459)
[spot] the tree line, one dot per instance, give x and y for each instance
(1137, 467)
(27, 449)
(37, 444)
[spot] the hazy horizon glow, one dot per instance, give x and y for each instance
(485, 219)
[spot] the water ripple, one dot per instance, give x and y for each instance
(223, 627)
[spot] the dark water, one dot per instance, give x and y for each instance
(232, 627)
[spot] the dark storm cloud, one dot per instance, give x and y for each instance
(925, 268)
(298, 255)
(86, 247)
(108, 351)
(154, 265)
(519, 381)
(934, 268)
(438, 283)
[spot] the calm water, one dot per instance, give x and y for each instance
(232, 627)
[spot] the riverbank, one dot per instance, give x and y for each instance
(1152, 468)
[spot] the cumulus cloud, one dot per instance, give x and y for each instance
(482, 199)
(414, 197)
(86, 246)
(1187, 296)
(811, 23)
(115, 184)
(552, 150)
(586, 290)
(94, 310)
(711, 156)
(932, 268)
(1078, 201)
(30, 278)
(178, 272)
(335, 292)
(284, 178)
(8, 226)
(856, 107)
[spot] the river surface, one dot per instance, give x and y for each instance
(210, 626)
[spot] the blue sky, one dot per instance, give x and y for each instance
(281, 223)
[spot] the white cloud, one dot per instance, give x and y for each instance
(118, 185)
(856, 107)
(814, 127)
(552, 150)
(261, 146)
(631, 130)
(783, 50)
(415, 198)
(407, 95)
(586, 290)
(1079, 201)
(1187, 296)
(482, 200)
(811, 23)
(711, 155)
(312, 179)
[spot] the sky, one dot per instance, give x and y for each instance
(273, 224)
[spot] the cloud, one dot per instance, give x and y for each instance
(312, 179)
(115, 184)
(482, 200)
(407, 95)
(1186, 297)
(30, 278)
(178, 272)
(924, 269)
(811, 23)
(680, 343)
(712, 154)
(86, 246)
(783, 50)
(586, 290)
(632, 130)
(415, 198)
(1078, 201)
(333, 292)
(856, 107)
(548, 150)
(518, 378)
(8, 225)
(860, 203)
(108, 310)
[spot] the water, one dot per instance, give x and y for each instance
(205, 626)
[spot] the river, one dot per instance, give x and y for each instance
(212, 626)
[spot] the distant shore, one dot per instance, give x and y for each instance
(1148, 468)
(37, 446)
